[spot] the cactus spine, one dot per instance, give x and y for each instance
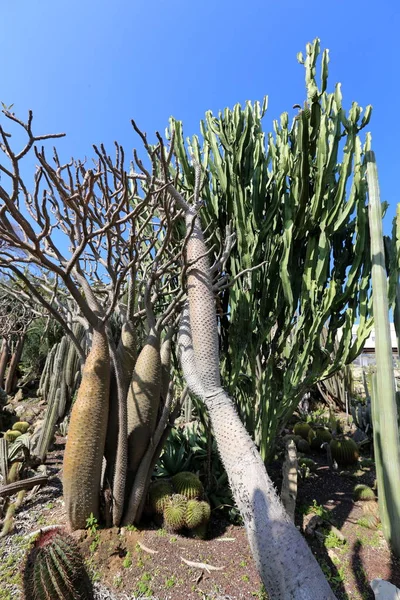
(86, 436)
(384, 407)
(54, 568)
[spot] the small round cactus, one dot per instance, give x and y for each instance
(12, 435)
(303, 446)
(188, 484)
(175, 512)
(318, 436)
(194, 514)
(308, 463)
(54, 568)
(363, 492)
(21, 426)
(159, 492)
(201, 530)
(302, 429)
(344, 451)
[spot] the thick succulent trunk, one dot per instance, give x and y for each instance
(86, 436)
(4, 356)
(14, 362)
(285, 562)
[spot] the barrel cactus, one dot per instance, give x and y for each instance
(54, 568)
(194, 514)
(302, 429)
(363, 492)
(344, 451)
(188, 484)
(159, 492)
(201, 530)
(303, 446)
(21, 426)
(318, 436)
(12, 435)
(175, 512)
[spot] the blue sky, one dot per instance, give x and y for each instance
(87, 67)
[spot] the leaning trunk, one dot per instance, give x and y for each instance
(285, 562)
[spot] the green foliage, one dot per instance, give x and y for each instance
(297, 200)
(54, 568)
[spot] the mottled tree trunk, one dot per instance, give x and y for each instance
(14, 362)
(4, 356)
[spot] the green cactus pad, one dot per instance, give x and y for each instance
(363, 492)
(188, 484)
(159, 492)
(317, 437)
(344, 451)
(11, 435)
(21, 426)
(175, 512)
(54, 568)
(302, 429)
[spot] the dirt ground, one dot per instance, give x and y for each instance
(151, 563)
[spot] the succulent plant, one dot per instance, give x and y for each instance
(303, 446)
(188, 484)
(302, 429)
(318, 436)
(11, 435)
(363, 492)
(159, 492)
(21, 426)
(54, 568)
(308, 463)
(344, 451)
(194, 514)
(175, 512)
(201, 530)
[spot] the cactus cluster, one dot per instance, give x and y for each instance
(179, 501)
(54, 568)
(318, 436)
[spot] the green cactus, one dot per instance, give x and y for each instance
(175, 512)
(302, 429)
(201, 530)
(159, 492)
(363, 492)
(12, 435)
(188, 484)
(194, 514)
(21, 426)
(54, 568)
(318, 436)
(344, 451)
(308, 463)
(303, 446)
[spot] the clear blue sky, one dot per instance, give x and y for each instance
(87, 67)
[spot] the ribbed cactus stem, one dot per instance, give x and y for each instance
(386, 430)
(86, 436)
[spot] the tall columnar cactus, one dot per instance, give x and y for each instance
(384, 407)
(54, 568)
(144, 399)
(286, 195)
(86, 436)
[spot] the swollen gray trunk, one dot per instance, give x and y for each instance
(285, 562)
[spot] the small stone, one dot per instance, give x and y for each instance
(19, 396)
(384, 590)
